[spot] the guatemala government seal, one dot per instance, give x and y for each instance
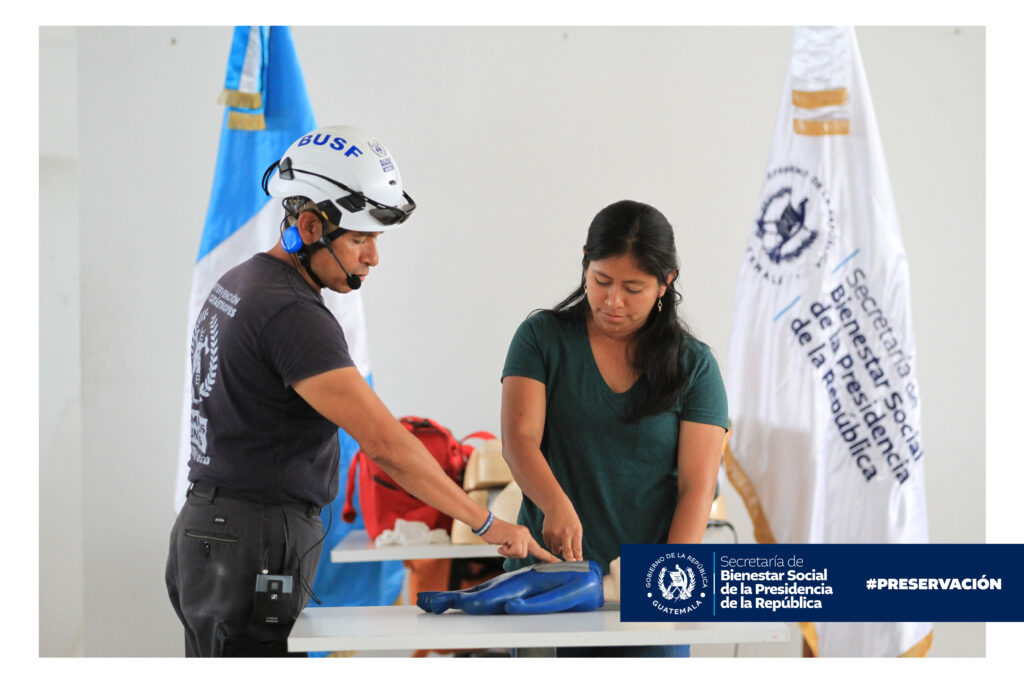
(676, 583)
(795, 223)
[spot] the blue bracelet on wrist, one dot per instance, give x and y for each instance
(486, 525)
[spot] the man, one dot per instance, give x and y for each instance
(272, 382)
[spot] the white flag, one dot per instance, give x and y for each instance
(825, 402)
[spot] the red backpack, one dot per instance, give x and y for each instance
(383, 501)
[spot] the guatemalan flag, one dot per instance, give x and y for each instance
(268, 109)
(822, 384)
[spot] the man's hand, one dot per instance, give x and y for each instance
(515, 541)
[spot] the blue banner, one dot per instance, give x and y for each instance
(823, 582)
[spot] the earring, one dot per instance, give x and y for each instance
(584, 287)
(659, 304)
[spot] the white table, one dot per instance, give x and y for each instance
(357, 547)
(410, 628)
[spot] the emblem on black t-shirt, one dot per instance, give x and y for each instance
(205, 348)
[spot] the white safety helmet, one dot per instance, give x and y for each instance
(348, 173)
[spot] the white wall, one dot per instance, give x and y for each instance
(60, 407)
(510, 140)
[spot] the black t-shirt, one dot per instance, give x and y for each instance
(261, 329)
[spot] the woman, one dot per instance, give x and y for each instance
(612, 414)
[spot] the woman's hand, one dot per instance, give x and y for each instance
(515, 541)
(523, 411)
(563, 532)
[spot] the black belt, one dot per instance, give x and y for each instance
(210, 491)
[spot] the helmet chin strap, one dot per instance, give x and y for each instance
(303, 255)
(292, 243)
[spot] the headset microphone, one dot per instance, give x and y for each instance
(351, 280)
(292, 243)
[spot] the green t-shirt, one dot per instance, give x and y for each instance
(621, 478)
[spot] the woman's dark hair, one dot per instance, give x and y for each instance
(640, 230)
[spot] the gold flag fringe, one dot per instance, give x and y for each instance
(741, 482)
(815, 99)
(837, 127)
(239, 121)
(242, 100)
